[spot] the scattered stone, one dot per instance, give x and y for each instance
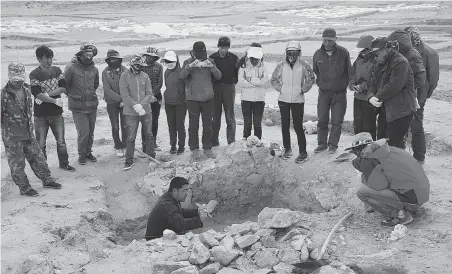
(289, 256)
(243, 263)
(199, 253)
(254, 227)
(208, 239)
(257, 246)
(35, 264)
(185, 242)
(283, 268)
(224, 255)
(189, 235)
(311, 245)
(170, 164)
(97, 254)
(217, 235)
(265, 232)
(265, 258)
(45, 248)
(227, 270)
(210, 269)
(238, 229)
(268, 241)
(152, 166)
(169, 234)
(304, 254)
(277, 218)
(239, 121)
(186, 270)
(227, 242)
(327, 270)
(165, 157)
(290, 235)
(268, 122)
(96, 185)
(298, 243)
(250, 253)
(115, 193)
(247, 240)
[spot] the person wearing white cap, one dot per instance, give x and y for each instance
(175, 105)
(253, 77)
(292, 78)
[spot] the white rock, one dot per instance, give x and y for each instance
(298, 243)
(289, 235)
(227, 242)
(268, 122)
(208, 239)
(224, 255)
(277, 218)
(243, 263)
(189, 235)
(283, 268)
(289, 256)
(169, 234)
(199, 253)
(265, 258)
(210, 269)
(247, 240)
(256, 246)
(328, 270)
(265, 232)
(268, 241)
(304, 254)
(217, 235)
(186, 270)
(238, 229)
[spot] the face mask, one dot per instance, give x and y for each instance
(114, 63)
(170, 65)
(136, 69)
(292, 56)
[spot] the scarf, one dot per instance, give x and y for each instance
(415, 37)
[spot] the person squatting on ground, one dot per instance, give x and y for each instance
(168, 213)
(199, 73)
(364, 113)
(136, 93)
(175, 106)
(331, 64)
(430, 59)
(82, 79)
(394, 183)
(47, 83)
(155, 72)
(292, 78)
(224, 90)
(254, 80)
(17, 133)
(393, 89)
(110, 79)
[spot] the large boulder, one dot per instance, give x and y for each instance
(199, 253)
(265, 258)
(208, 239)
(278, 217)
(224, 255)
(247, 240)
(227, 242)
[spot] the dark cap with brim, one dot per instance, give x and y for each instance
(199, 50)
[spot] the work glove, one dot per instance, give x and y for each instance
(417, 104)
(194, 64)
(142, 112)
(121, 104)
(375, 102)
(59, 102)
(153, 99)
(38, 102)
(137, 107)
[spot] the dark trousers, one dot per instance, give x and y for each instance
(297, 110)
(85, 124)
(116, 116)
(364, 118)
(175, 115)
(224, 98)
(394, 131)
(56, 124)
(337, 103)
(17, 152)
(205, 110)
(132, 123)
(155, 107)
(418, 135)
(252, 117)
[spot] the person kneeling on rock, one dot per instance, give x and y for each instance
(395, 184)
(168, 213)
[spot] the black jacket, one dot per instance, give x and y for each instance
(168, 214)
(431, 63)
(229, 67)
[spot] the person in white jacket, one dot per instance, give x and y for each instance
(292, 78)
(253, 77)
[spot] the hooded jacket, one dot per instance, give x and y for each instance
(431, 63)
(388, 167)
(199, 81)
(82, 82)
(361, 75)
(175, 87)
(253, 92)
(394, 87)
(135, 88)
(415, 60)
(110, 80)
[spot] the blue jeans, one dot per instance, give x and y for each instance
(132, 123)
(336, 102)
(56, 124)
(115, 114)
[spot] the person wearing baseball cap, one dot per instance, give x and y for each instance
(199, 72)
(17, 133)
(175, 105)
(364, 114)
(224, 89)
(394, 183)
(331, 64)
(155, 72)
(136, 93)
(82, 78)
(110, 79)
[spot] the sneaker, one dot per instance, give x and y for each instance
(67, 168)
(209, 153)
(91, 158)
(180, 151)
(320, 148)
(301, 158)
(128, 166)
(82, 160)
(287, 154)
(30, 193)
(53, 185)
(120, 153)
(404, 217)
(390, 221)
(421, 162)
(332, 149)
(173, 150)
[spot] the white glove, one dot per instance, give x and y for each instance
(153, 99)
(417, 104)
(142, 112)
(375, 102)
(121, 104)
(255, 80)
(59, 102)
(137, 107)
(38, 102)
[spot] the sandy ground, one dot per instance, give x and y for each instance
(26, 221)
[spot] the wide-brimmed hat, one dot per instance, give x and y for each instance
(199, 50)
(138, 59)
(111, 53)
(151, 51)
(170, 56)
(16, 72)
(363, 138)
(87, 48)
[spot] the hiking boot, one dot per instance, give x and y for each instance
(67, 168)
(53, 185)
(301, 158)
(287, 154)
(421, 162)
(180, 151)
(82, 160)
(91, 158)
(30, 193)
(320, 148)
(120, 153)
(128, 165)
(390, 221)
(209, 153)
(332, 149)
(173, 150)
(404, 217)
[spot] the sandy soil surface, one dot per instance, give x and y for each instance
(27, 223)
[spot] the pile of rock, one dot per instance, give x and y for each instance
(271, 245)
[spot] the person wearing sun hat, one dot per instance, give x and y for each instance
(136, 93)
(82, 78)
(155, 72)
(394, 183)
(112, 96)
(18, 134)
